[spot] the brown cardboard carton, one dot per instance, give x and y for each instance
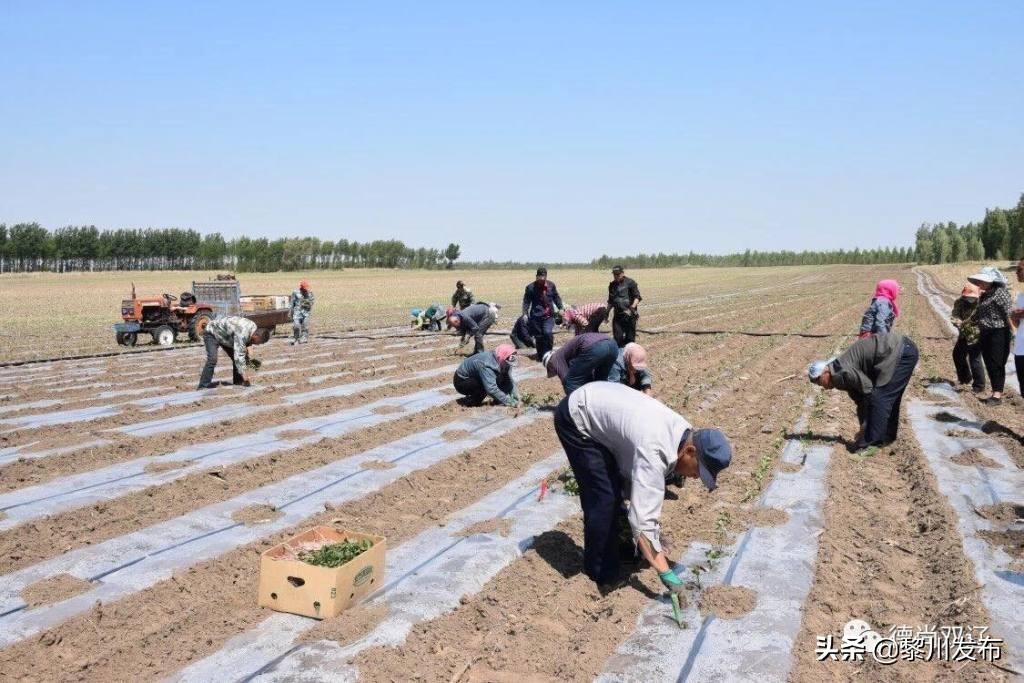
(289, 585)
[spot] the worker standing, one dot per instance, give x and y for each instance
(475, 321)
(488, 374)
(541, 302)
(585, 318)
(619, 440)
(630, 368)
(302, 306)
(582, 359)
(623, 300)
(234, 335)
(463, 297)
(874, 371)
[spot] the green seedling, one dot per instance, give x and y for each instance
(335, 554)
(569, 483)
(696, 570)
(254, 363)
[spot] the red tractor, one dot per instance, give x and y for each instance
(164, 317)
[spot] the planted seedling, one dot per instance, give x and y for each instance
(335, 554)
(569, 483)
(254, 363)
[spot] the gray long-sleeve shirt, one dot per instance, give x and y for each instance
(868, 363)
(643, 435)
(485, 369)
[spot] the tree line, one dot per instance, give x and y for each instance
(28, 247)
(998, 236)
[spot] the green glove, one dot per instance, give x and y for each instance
(671, 581)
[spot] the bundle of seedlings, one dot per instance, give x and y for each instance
(335, 554)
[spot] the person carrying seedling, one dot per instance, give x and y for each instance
(874, 371)
(883, 310)
(541, 302)
(302, 306)
(521, 336)
(967, 350)
(621, 444)
(585, 318)
(475, 321)
(586, 358)
(463, 297)
(630, 368)
(236, 336)
(623, 299)
(488, 374)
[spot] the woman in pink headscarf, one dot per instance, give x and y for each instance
(883, 311)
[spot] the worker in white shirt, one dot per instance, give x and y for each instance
(624, 444)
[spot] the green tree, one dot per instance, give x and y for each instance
(451, 254)
(994, 232)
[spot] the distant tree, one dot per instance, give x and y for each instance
(994, 231)
(451, 254)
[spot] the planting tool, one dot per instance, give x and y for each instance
(677, 611)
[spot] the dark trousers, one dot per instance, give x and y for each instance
(474, 391)
(995, 350)
(593, 364)
(1018, 362)
(969, 367)
(624, 327)
(543, 331)
(882, 407)
(521, 343)
(212, 347)
(600, 497)
(481, 330)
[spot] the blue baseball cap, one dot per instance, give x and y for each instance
(713, 455)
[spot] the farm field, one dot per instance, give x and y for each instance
(133, 509)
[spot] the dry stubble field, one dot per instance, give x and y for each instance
(134, 509)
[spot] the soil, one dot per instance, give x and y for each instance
(158, 467)
(1012, 542)
(351, 624)
(488, 526)
(763, 516)
(296, 433)
(378, 465)
(55, 589)
(454, 435)
(974, 457)
(388, 410)
(1003, 512)
(256, 514)
(727, 602)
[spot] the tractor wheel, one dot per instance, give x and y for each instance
(164, 335)
(197, 326)
(127, 338)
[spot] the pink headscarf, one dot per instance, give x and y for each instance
(636, 359)
(889, 289)
(504, 352)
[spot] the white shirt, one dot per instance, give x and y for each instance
(643, 435)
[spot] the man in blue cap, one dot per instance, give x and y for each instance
(623, 444)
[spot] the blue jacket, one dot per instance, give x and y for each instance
(879, 317)
(485, 369)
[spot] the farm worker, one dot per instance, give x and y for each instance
(630, 368)
(875, 372)
(582, 359)
(521, 336)
(475, 321)
(428, 318)
(624, 444)
(1016, 315)
(623, 299)
(302, 305)
(585, 318)
(967, 350)
(994, 321)
(463, 297)
(540, 304)
(235, 335)
(488, 374)
(883, 311)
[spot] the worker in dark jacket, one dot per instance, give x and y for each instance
(475, 321)
(541, 302)
(521, 336)
(874, 371)
(586, 358)
(623, 300)
(463, 297)
(488, 374)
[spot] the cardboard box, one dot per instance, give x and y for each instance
(289, 585)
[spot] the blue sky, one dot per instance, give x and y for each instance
(533, 131)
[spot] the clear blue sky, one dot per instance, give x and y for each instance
(528, 130)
